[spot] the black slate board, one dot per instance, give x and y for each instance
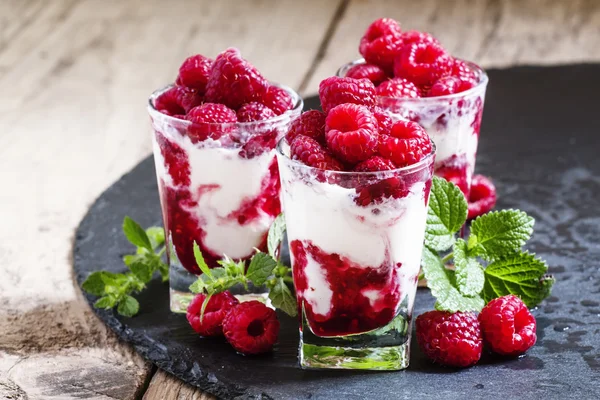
(540, 143)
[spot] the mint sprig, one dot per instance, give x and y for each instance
(490, 263)
(115, 289)
(263, 269)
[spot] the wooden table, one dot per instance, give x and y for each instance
(76, 76)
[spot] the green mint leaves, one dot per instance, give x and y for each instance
(264, 269)
(115, 289)
(496, 239)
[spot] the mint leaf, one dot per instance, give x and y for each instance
(447, 213)
(135, 234)
(496, 233)
(142, 270)
(441, 282)
(469, 273)
(128, 307)
(233, 268)
(521, 274)
(275, 236)
(199, 286)
(261, 267)
(282, 298)
(156, 234)
(94, 284)
(105, 302)
(200, 260)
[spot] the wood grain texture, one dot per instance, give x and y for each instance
(165, 386)
(79, 74)
(492, 33)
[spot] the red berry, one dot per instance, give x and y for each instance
(311, 123)
(351, 132)
(334, 91)
(507, 325)
(277, 99)
(398, 87)
(372, 190)
(448, 85)
(452, 339)
(308, 151)
(381, 43)
(461, 70)
(384, 121)
(208, 119)
(251, 327)
(254, 111)
(371, 72)
(217, 308)
(422, 63)
(194, 72)
(233, 81)
(410, 37)
(374, 164)
(407, 144)
(177, 100)
(482, 197)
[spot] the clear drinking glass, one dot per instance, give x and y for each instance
(218, 185)
(355, 243)
(452, 121)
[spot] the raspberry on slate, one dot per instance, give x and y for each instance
(217, 308)
(177, 100)
(482, 197)
(398, 88)
(381, 43)
(311, 123)
(452, 339)
(407, 144)
(207, 119)
(233, 81)
(334, 91)
(351, 132)
(371, 72)
(251, 327)
(507, 325)
(194, 72)
(254, 111)
(277, 99)
(422, 63)
(308, 151)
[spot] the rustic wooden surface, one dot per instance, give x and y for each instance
(75, 77)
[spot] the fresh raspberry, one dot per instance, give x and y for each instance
(381, 43)
(374, 164)
(233, 81)
(254, 111)
(398, 88)
(277, 99)
(448, 85)
(482, 197)
(208, 119)
(422, 63)
(177, 100)
(507, 325)
(461, 70)
(452, 339)
(407, 144)
(410, 37)
(311, 123)
(308, 151)
(217, 308)
(194, 72)
(251, 327)
(351, 132)
(384, 121)
(334, 91)
(371, 72)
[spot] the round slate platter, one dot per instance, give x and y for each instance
(540, 142)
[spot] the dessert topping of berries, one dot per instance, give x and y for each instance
(351, 132)
(308, 151)
(311, 123)
(334, 91)
(381, 43)
(194, 72)
(371, 72)
(399, 88)
(422, 63)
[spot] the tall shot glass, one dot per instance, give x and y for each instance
(219, 187)
(355, 242)
(452, 121)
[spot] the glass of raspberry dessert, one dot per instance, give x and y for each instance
(415, 78)
(355, 219)
(215, 132)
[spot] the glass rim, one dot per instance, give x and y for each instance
(482, 84)
(298, 106)
(418, 166)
